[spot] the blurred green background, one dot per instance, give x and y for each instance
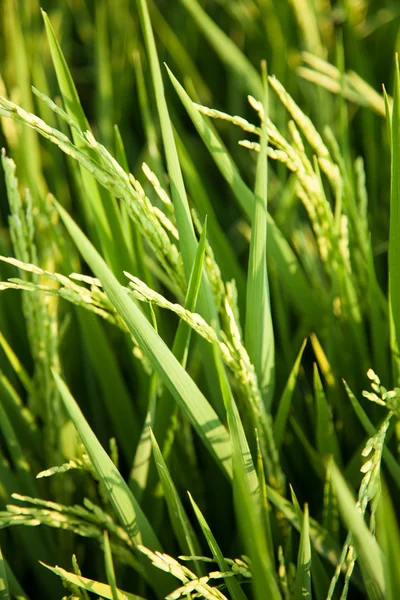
(104, 49)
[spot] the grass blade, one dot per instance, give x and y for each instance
(205, 204)
(234, 588)
(110, 568)
(259, 331)
(327, 442)
(182, 337)
(114, 390)
(388, 535)
(282, 414)
(14, 586)
(121, 498)
(303, 571)
(226, 49)
(141, 463)
(4, 591)
(246, 496)
(394, 232)
(277, 247)
(369, 554)
(330, 517)
(184, 532)
(263, 499)
(16, 364)
(97, 203)
(182, 387)
(187, 239)
(165, 419)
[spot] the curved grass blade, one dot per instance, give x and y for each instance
(285, 401)
(233, 586)
(17, 365)
(101, 589)
(235, 423)
(259, 333)
(98, 203)
(182, 387)
(121, 498)
(180, 522)
(67, 87)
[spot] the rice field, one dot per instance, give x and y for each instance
(199, 299)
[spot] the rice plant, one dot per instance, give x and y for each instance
(200, 299)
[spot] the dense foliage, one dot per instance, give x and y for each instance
(200, 299)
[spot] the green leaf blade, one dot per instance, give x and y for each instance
(394, 232)
(182, 387)
(259, 333)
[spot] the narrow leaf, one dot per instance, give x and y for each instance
(187, 240)
(369, 554)
(285, 401)
(388, 535)
(303, 571)
(259, 334)
(278, 248)
(4, 591)
(394, 232)
(226, 49)
(187, 539)
(182, 387)
(110, 568)
(121, 498)
(327, 442)
(233, 586)
(246, 496)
